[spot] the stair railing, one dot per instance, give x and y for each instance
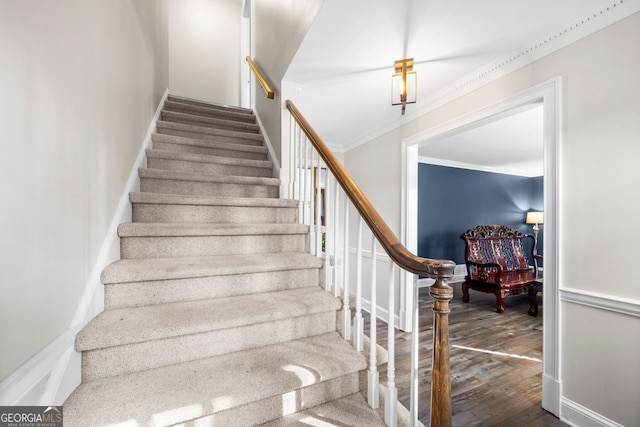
(261, 78)
(322, 186)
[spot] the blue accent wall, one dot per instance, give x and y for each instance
(452, 201)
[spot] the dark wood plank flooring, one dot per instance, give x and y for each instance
(496, 361)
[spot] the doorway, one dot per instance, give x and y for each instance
(549, 95)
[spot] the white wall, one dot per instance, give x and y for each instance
(204, 50)
(598, 205)
(277, 29)
(79, 84)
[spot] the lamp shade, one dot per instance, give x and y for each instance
(534, 217)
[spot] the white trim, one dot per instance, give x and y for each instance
(381, 313)
(549, 93)
(573, 31)
(626, 306)
(245, 50)
(59, 358)
(267, 142)
(380, 256)
(577, 415)
(471, 166)
(27, 376)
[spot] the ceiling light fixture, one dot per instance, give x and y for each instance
(404, 84)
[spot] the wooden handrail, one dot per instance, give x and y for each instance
(433, 268)
(440, 270)
(261, 79)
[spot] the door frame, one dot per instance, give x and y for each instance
(549, 93)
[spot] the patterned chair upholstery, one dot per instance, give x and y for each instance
(497, 262)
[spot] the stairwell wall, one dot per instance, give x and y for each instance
(80, 82)
(600, 306)
(277, 29)
(204, 50)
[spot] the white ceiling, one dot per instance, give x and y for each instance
(511, 144)
(344, 65)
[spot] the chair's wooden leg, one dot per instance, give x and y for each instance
(533, 300)
(465, 292)
(500, 301)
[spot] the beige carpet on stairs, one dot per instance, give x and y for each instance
(214, 315)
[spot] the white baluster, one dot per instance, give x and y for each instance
(358, 324)
(346, 310)
(328, 233)
(305, 187)
(299, 186)
(313, 233)
(336, 220)
(318, 209)
(391, 393)
(415, 341)
(292, 159)
(373, 375)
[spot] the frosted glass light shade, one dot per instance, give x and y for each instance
(534, 217)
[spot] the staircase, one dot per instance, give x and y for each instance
(214, 315)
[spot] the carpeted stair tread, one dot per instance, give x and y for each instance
(207, 164)
(204, 132)
(137, 270)
(204, 158)
(210, 105)
(251, 381)
(203, 177)
(182, 140)
(209, 111)
(179, 199)
(227, 114)
(212, 122)
(169, 229)
(352, 410)
(155, 322)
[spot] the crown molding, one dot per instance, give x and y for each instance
(471, 166)
(607, 14)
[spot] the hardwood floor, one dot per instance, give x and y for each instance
(496, 361)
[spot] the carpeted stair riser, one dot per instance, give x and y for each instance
(196, 110)
(213, 214)
(140, 338)
(210, 122)
(123, 359)
(209, 134)
(157, 207)
(177, 182)
(244, 388)
(136, 294)
(205, 167)
(351, 410)
(270, 409)
(186, 246)
(226, 108)
(198, 146)
(196, 188)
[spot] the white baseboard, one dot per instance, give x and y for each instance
(381, 313)
(272, 154)
(551, 395)
(59, 359)
(577, 415)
